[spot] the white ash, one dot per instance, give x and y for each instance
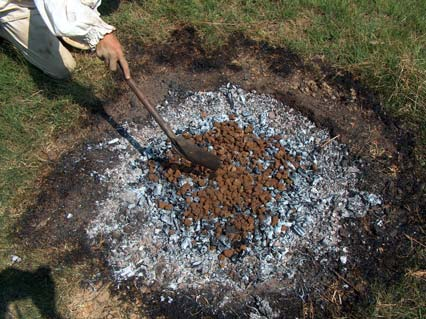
(15, 259)
(137, 232)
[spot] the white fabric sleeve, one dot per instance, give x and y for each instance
(76, 19)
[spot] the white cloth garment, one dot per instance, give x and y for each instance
(30, 35)
(75, 19)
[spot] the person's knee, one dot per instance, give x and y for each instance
(61, 70)
(66, 72)
(40, 47)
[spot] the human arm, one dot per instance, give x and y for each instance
(81, 21)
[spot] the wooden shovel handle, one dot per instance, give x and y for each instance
(157, 117)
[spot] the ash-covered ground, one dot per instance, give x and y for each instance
(150, 242)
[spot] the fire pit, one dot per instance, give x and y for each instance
(283, 190)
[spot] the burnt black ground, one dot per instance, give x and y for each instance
(323, 94)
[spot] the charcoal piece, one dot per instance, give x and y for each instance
(298, 230)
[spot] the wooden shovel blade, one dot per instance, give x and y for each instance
(196, 154)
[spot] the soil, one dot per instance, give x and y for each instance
(331, 98)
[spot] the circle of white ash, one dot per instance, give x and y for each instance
(152, 244)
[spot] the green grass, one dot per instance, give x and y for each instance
(404, 299)
(381, 42)
(28, 121)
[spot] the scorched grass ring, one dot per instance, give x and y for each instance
(284, 189)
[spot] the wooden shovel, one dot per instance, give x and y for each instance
(186, 148)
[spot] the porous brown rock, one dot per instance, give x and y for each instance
(240, 189)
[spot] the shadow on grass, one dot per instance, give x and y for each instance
(83, 96)
(38, 285)
(108, 7)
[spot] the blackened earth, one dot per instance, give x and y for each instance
(333, 100)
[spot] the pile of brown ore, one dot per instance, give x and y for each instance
(239, 190)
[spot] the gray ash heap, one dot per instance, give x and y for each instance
(284, 188)
(230, 200)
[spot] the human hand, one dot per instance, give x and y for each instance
(109, 49)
